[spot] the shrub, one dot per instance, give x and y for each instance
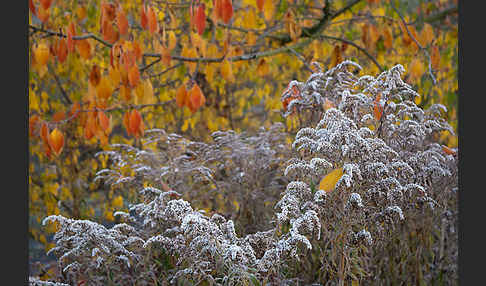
(370, 198)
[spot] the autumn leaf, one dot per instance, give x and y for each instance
(227, 71)
(260, 4)
(56, 141)
(104, 121)
(435, 57)
(416, 69)
(32, 8)
(328, 183)
(143, 17)
(426, 35)
(200, 19)
(71, 32)
(104, 89)
(262, 68)
(377, 108)
(181, 96)
(33, 122)
(135, 124)
(268, 9)
(125, 93)
(196, 97)
(43, 14)
(58, 116)
(95, 75)
(448, 150)
(227, 10)
(41, 54)
(45, 3)
(153, 24)
(172, 41)
(84, 49)
(134, 76)
(122, 21)
(387, 38)
(44, 133)
(335, 56)
(62, 50)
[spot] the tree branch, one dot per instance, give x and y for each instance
(357, 47)
(416, 42)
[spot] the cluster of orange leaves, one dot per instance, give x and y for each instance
(192, 98)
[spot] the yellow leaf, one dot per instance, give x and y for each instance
(426, 35)
(268, 9)
(227, 71)
(416, 69)
(328, 183)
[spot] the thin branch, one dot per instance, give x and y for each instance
(442, 14)
(81, 37)
(357, 47)
(166, 70)
(300, 57)
(416, 42)
(58, 82)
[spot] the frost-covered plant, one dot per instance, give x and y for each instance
(236, 174)
(396, 183)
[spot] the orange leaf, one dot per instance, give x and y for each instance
(260, 4)
(46, 3)
(262, 67)
(435, 57)
(108, 11)
(227, 11)
(58, 116)
(56, 141)
(84, 49)
(104, 89)
(75, 108)
(134, 123)
(181, 96)
(33, 121)
(32, 8)
(125, 93)
(134, 76)
(62, 50)
(336, 56)
(197, 98)
(110, 35)
(95, 75)
(81, 13)
(377, 108)
(104, 121)
(122, 22)
(218, 9)
(143, 17)
(44, 133)
(387, 38)
(43, 14)
(200, 19)
(126, 121)
(70, 34)
(448, 150)
(153, 24)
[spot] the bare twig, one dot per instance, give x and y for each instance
(416, 42)
(357, 47)
(300, 57)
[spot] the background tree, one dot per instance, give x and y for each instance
(103, 72)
